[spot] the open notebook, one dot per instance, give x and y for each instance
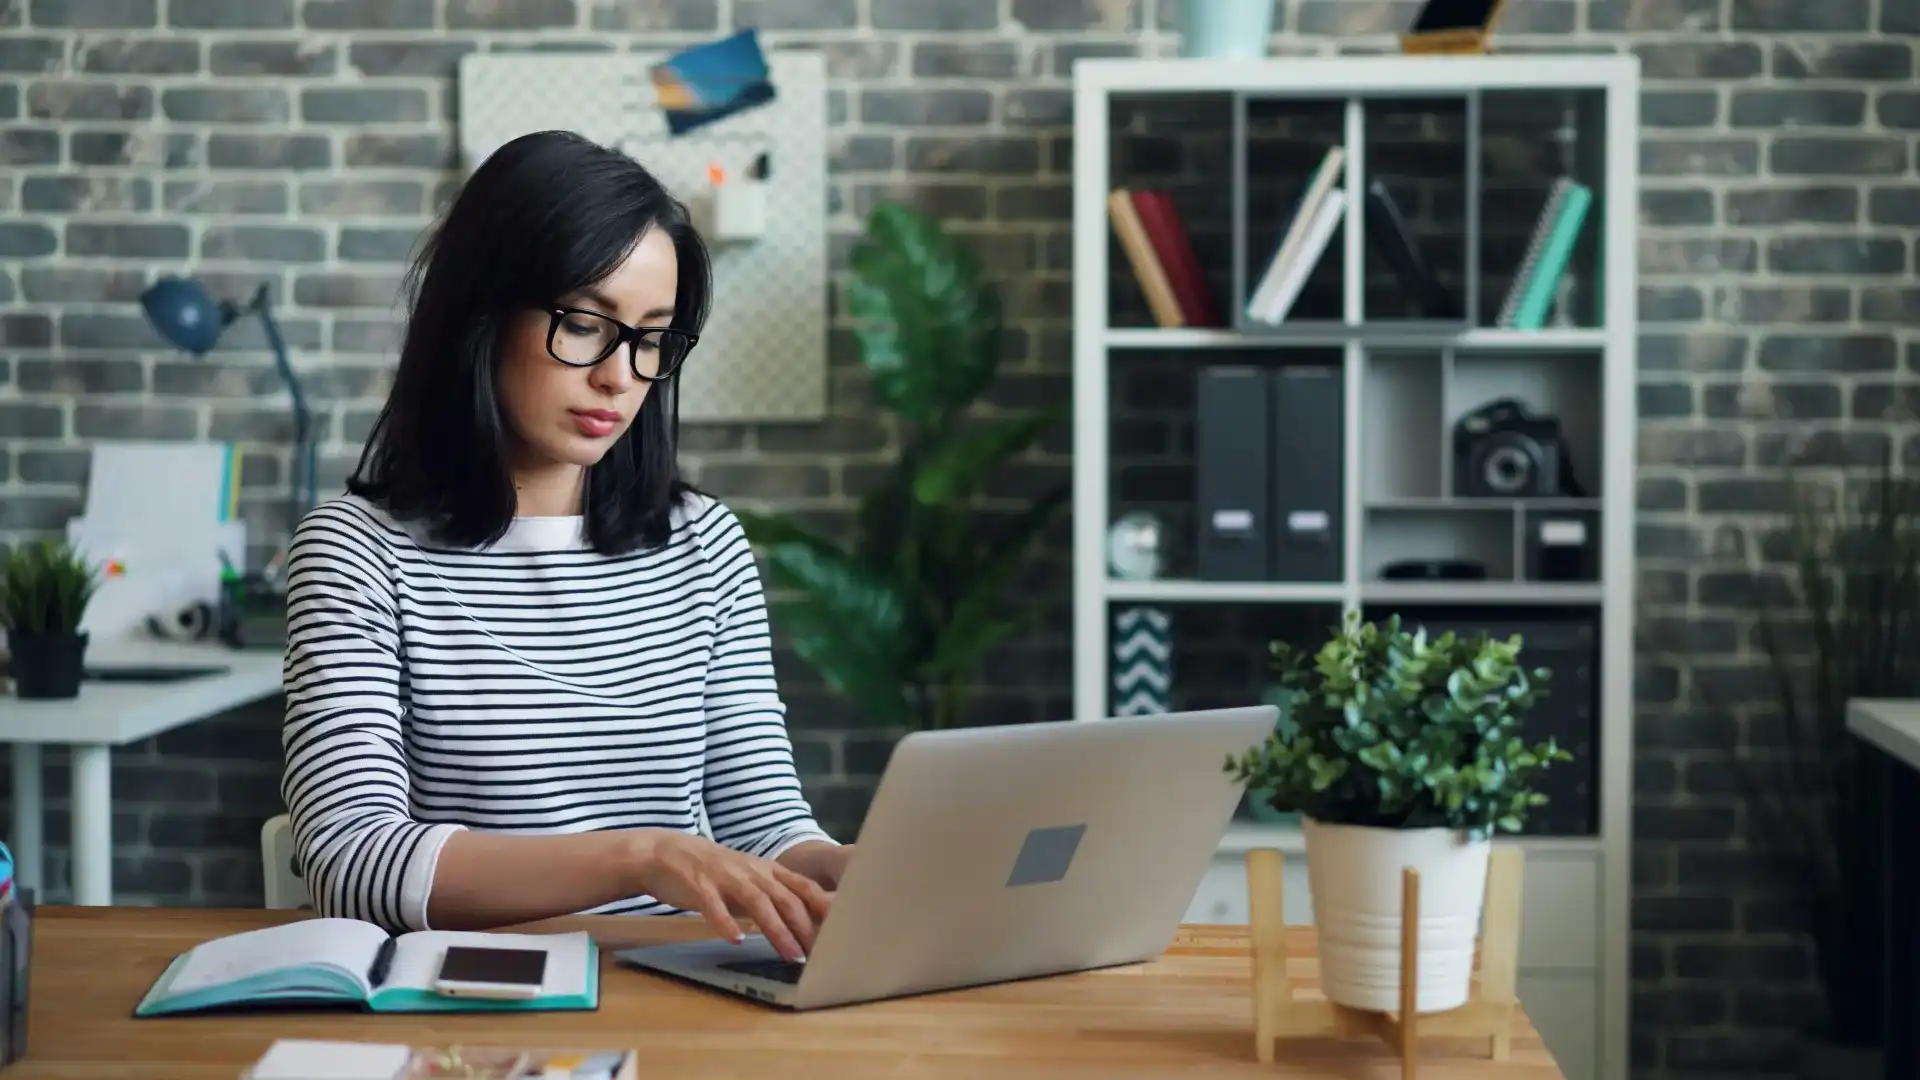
(345, 962)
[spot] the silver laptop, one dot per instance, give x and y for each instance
(1002, 853)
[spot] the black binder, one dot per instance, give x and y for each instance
(1232, 456)
(1307, 421)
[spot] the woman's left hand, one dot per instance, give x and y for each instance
(825, 863)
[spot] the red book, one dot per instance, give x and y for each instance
(1162, 224)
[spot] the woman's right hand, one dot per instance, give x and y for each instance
(696, 874)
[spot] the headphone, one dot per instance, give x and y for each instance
(188, 622)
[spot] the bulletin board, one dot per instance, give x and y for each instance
(763, 353)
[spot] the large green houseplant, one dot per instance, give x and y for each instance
(1400, 749)
(45, 587)
(1835, 611)
(898, 617)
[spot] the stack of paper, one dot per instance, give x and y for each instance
(160, 520)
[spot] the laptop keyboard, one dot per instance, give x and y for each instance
(786, 971)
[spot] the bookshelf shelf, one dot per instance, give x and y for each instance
(1330, 458)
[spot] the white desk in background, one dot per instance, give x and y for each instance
(107, 714)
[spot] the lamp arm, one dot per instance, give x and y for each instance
(303, 483)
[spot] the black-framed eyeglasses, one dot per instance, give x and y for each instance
(580, 338)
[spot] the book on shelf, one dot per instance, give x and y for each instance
(348, 963)
(1530, 295)
(318, 1059)
(1161, 253)
(1387, 228)
(1315, 219)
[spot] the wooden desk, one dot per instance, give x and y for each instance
(1188, 1014)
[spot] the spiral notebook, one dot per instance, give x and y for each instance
(345, 963)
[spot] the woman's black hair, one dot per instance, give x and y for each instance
(546, 215)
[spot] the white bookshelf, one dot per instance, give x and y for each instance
(1575, 947)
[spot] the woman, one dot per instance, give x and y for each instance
(522, 654)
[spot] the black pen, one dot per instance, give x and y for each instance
(382, 962)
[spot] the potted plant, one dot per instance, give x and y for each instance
(1400, 750)
(45, 586)
(1836, 616)
(899, 614)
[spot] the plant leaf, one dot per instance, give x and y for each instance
(860, 604)
(846, 662)
(959, 466)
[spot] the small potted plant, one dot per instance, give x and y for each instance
(1399, 750)
(45, 586)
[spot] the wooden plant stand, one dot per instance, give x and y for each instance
(1491, 1005)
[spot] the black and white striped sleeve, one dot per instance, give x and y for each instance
(752, 791)
(346, 779)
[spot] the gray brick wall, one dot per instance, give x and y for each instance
(305, 143)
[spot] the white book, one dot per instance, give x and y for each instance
(1304, 216)
(1333, 210)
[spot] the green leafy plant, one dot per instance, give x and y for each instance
(1387, 727)
(1835, 609)
(898, 617)
(45, 586)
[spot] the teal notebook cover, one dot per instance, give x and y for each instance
(1532, 313)
(344, 963)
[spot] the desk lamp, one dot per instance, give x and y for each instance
(189, 318)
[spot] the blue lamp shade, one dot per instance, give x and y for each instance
(184, 313)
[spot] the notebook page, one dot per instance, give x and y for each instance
(346, 942)
(417, 959)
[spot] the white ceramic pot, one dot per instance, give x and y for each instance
(1354, 876)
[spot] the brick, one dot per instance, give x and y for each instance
(226, 196)
(932, 15)
(1698, 256)
(1050, 15)
(1671, 303)
(38, 513)
(30, 421)
(94, 14)
(1885, 401)
(145, 421)
(146, 149)
(1672, 207)
(437, 58)
(1795, 205)
(1820, 449)
(27, 240)
(1835, 354)
(367, 14)
(74, 285)
(1889, 303)
(29, 146)
(960, 154)
(1705, 59)
(797, 14)
(32, 55)
(362, 198)
(1693, 351)
(134, 56)
(342, 105)
(1639, 16)
(1796, 16)
(80, 376)
(1048, 108)
(1836, 255)
(1773, 400)
(1852, 60)
(269, 151)
(1764, 305)
(1664, 401)
(861, 153)
(1797, 108)
(1691, 447)
(227, 105)
(431, 151)
(1679, 108)
(259, 243)
(76, 100)
(9, 102)
(1698, 157)
(51, 466)
(1898, 109)
(655, 15)
(1824, 155)
(289, 58)
(227, 15)
(511, 14)
(26, 330)
(341, 290)
(1687, 915)
(918, 107)
(377, 245)
(127, 240)
(84, 194)
(970, 60)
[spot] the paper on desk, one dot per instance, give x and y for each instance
(144, 484)
(307, 1059)
(155, 572)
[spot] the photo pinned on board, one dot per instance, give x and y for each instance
(710, 82)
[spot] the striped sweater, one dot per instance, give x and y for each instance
(533, 687)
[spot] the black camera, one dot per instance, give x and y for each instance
(1505, 450)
